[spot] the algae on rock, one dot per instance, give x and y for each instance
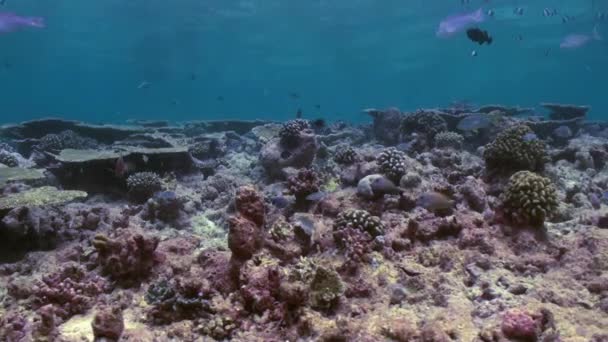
(16, 174)
(46, 195)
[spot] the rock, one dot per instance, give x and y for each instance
(213, 126)
(274, 156)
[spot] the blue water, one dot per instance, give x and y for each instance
(344, 55)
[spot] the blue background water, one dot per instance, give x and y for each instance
(344, 55)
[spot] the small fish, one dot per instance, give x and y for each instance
(518, 11)
(549, 12)
(528, 137)
(601, 16)
(490, 13)
(122, 168)
(456, 23)
(475, 122)
(519, 37)
(299, 114)
(318, 107)
(473, 53)
(318, 123)
(10, 22)
(280, 201)
(478, 36)
(220, 98)
(294, 96)
(573, 41)
(143, 85)
(562, 132)
(317, 196)
(145, 158)
(434, 201)
(193, 77)
(547, 52)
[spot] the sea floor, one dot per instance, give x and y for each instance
(455, 224)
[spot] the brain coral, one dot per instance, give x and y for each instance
(529, 198)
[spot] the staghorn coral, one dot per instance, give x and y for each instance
(8, 159)
(449, 139)
(426, 122)
(143, 185)
(304, 183)
(359, 219)
(290, 131)
(516, 148)
(345, 155)
(126, 259)
(529, 198)
(392, 164)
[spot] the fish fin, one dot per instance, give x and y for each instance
(478, 15)
(596, 34)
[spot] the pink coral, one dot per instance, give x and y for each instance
(519, 324)
(250, 204)
(71, 291)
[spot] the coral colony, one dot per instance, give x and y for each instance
(453, 224)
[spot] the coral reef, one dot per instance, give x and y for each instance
(429, 123)
(449, 139)
(143, 185)
(516, 148)
(529, 198)
(8, 159)
(308, 231)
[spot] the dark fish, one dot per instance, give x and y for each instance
(280, 201)
(299, 114)
(318, 123)
(220, 98)
(193, 77)
(518, 11)
(547, 52)
(479, 36)
(490, 13)
(294, 96)
(318, 107)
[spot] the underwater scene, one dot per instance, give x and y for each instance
(332, 171)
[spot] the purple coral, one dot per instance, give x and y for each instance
(128, 258)
(304, 183)
(519, 324)
(71, 291)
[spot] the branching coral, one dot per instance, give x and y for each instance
(516, 148)
(449, 139)
(426, 122)
(290, 131)
(529, 198)
(304, 183)
(345, 155)
(359, 219)
(143, 185)
(392, 164)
